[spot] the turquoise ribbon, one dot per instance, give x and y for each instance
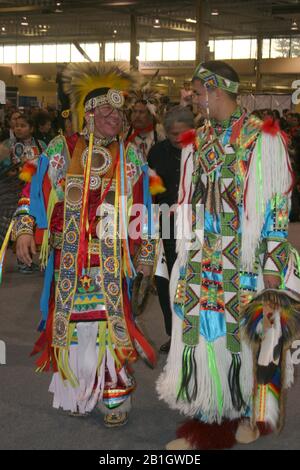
(147, 199)
(44, 301)
(37, 205)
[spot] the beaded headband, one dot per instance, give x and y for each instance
(213, 80)
(114, 98)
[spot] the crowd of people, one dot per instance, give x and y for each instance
(83, 169)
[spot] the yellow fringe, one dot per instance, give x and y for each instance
(44, 254)
(117, 194)
(87, 174)
(56, 352)
(102, 342)
(6, 240)
(112, 350)
(65, 372)
(70, 374)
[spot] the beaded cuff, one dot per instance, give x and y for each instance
(23, 224)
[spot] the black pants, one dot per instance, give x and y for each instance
(162, 284)
(295, 209)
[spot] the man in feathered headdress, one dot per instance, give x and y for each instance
(88, 333)
(233, 260)
(145, 130)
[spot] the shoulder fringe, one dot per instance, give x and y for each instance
(264, 180)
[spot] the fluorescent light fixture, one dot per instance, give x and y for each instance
(214, 13)
(190, 20)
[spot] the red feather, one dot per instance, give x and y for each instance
(270, 126)
(187, 138)
(205, 436)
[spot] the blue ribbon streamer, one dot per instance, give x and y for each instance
(44, 301)
(147, 199)
(37, 205)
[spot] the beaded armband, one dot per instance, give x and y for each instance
(23, 225)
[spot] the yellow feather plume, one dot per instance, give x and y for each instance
(81, 79)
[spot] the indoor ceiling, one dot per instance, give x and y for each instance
(107, 20)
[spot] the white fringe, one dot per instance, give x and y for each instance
(276, 179)
(246, 374)
(289, 370)
(83, 362)
(206, 400)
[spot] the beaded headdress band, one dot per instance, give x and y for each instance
(114, 98)
(213, 80)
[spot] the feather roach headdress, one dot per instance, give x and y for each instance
(146, 93)
(90, 85)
